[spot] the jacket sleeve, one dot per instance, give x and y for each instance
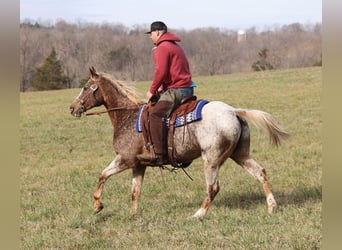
(161, 71)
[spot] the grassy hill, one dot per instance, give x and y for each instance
(61, 158)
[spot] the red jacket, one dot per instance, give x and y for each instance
(171, 65)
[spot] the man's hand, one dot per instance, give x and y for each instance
(148, 95)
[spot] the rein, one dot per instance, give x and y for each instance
(113, 109)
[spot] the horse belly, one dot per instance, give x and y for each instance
(186, 143)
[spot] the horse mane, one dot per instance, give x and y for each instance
(123, 88)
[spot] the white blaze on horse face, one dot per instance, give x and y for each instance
(79, 95)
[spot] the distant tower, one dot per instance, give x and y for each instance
(241, 36)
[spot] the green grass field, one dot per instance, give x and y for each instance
(61, 158)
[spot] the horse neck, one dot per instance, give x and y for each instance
(123, 106)
(121, 117)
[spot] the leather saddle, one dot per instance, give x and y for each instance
(186, 106)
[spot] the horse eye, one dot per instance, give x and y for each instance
(85, 88)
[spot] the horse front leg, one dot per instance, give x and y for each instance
(137, 181)
(115, 167)
(213, 187)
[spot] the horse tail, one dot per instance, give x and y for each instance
(266, 122)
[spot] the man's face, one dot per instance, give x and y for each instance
(155, 36)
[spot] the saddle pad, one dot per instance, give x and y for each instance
(192, 116)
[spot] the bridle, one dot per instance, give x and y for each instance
(92, 87)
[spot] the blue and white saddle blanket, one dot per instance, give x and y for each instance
(192, 116)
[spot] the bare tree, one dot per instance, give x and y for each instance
(127, 52)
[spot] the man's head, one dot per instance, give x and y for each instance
(157, 29)
(157, 26)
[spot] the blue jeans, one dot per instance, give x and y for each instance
(187, 91)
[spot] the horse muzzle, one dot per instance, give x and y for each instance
(76, 110)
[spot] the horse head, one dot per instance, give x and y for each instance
(89, 97)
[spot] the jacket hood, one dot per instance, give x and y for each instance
(168, 36)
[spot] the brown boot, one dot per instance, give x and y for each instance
(147, 155)
(149, 160)
(158, 130)
(159, 160)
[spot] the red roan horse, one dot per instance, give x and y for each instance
(221, 133)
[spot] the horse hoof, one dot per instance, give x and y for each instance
(98, 208)
(271, 209)
(200, 213)
(271, 203)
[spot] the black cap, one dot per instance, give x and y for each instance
(158, 25)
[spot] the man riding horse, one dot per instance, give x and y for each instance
(171, 83)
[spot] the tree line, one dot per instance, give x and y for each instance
(59, 55)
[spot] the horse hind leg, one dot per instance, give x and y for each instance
(259, 173)
(213, 158)
(242, 157)
(213, 187)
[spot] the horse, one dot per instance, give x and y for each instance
(222, 133)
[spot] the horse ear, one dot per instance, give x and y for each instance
(93, 72)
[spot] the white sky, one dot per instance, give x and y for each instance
(187, 14)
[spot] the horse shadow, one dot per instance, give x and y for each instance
(245, 200)
(250, 200)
